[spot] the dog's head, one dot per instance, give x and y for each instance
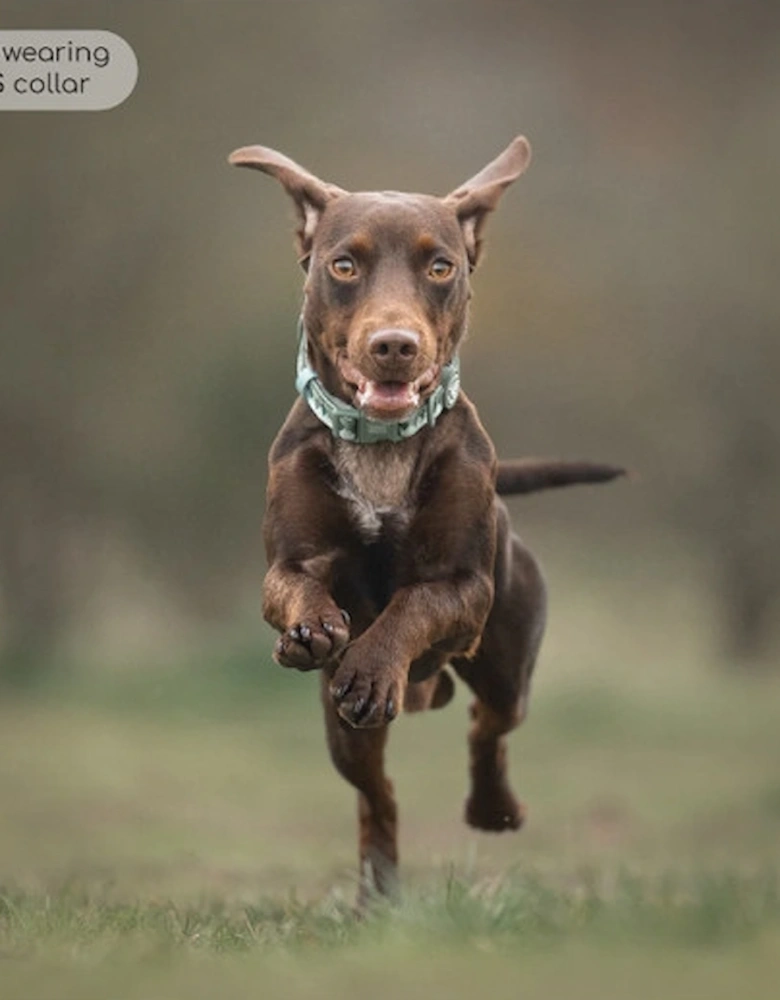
(387, 283)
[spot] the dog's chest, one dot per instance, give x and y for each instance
(376, 482)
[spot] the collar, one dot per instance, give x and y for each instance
(349, 424)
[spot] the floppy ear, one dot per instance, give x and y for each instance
(309, 193)
(473, 200)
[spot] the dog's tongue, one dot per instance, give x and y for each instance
(387, 397)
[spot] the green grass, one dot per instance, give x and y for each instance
(525, 910)
(457, 936)
(180, 832)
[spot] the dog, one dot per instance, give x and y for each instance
(390, 552)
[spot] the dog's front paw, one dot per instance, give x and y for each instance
(367, 698)
(312, 642)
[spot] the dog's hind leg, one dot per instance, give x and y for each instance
(358, 755)
(491, 804)
(434, 692)
(499, 675)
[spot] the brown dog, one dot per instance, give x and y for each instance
(390, 554)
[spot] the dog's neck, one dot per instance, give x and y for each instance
(347, 423)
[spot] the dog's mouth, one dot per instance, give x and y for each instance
(389, 400)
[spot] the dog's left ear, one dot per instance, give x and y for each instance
(309, 193)
(473, 200)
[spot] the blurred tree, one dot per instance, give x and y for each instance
(41, 505)
(729, 500)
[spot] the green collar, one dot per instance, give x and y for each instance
(349, 424)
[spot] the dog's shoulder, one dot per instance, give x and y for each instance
(300, 429)
(465, 433)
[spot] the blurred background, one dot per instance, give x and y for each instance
(627, 311)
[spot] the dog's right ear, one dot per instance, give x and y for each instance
(309, 193)
(476, 199)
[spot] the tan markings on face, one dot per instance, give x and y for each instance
(427, 244)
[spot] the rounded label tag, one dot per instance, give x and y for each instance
(65, 70)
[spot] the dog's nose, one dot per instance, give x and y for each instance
(394, 347)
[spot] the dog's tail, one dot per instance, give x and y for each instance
(527, 475)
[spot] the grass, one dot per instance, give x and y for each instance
(180, 833)
(526, 910)
(465, 929)
(457, 936)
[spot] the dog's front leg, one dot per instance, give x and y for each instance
(297, 602)
(368, 685)
(304, 529)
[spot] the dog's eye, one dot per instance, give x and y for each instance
(343, 268)
(441, 269)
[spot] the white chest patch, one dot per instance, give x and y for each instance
(375, 480)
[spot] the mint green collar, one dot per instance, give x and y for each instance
(349, 424)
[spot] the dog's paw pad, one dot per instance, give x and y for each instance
(311, 643)
(365, 701)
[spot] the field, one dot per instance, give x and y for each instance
(178, 831)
